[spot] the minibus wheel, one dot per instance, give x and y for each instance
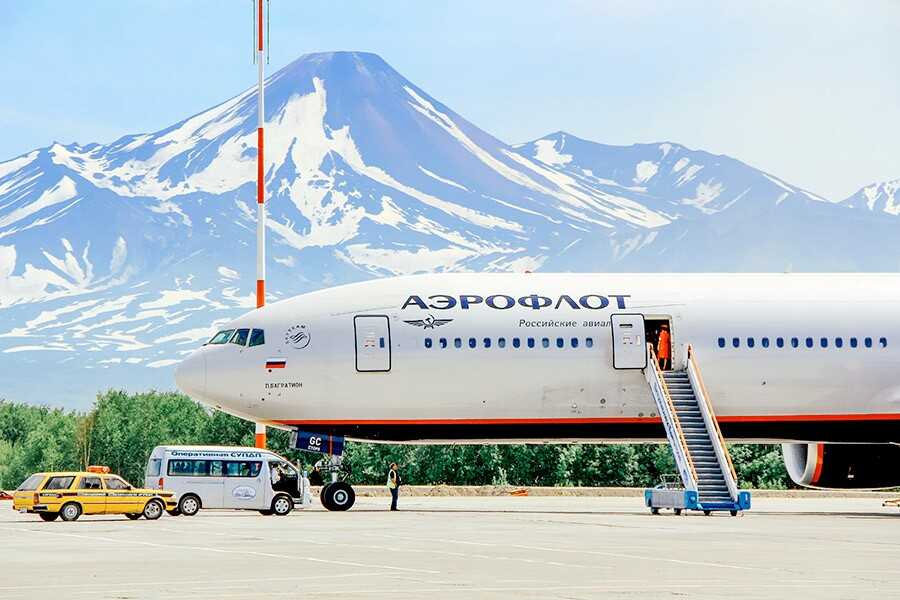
(189, 505)
(48, 516)
(70, 511)
(282, 505)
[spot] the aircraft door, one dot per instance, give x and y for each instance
(629, 347)
(373, 343)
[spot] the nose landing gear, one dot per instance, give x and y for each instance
(336, 495)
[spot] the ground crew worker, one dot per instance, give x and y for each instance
(393, 483)
(664, 348)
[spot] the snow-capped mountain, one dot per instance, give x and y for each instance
(878, 197)
(115, 259)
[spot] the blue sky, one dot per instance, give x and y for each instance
(807, 91)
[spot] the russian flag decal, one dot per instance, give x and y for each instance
(276, 363)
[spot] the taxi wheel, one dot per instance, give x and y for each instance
(70, 511)
(189, 505)
(48, 516)
(282, 505)
(153, 510)
(133, 516)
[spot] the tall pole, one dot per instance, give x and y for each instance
(260, 186)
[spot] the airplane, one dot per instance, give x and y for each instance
(805, 360)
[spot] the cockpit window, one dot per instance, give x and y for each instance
(222, 337)
(257, 337)
(240, 337)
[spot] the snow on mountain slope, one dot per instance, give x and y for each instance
(877, 197)
(115, 259)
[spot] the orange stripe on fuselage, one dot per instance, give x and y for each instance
(590, 420)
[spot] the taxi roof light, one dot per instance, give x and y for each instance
(98, 469)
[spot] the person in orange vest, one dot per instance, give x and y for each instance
(664, 348)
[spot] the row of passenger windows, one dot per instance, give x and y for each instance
(214, 468)
(809, 342)
(257, 337)
(513, 342)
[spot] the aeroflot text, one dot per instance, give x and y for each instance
(503, 302)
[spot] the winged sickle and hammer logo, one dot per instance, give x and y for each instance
(428, 322)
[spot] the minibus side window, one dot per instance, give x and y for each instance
(234, 468)
(154, 467)
(215, 468)
(189, 468)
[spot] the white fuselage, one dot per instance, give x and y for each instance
(487, 389)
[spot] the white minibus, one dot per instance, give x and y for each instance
(227, 477)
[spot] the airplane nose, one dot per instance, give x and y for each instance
(190, 376)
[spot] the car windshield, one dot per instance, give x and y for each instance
(222, 337)
(31, 483)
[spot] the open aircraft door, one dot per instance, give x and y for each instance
(373, 343)
(629, 347)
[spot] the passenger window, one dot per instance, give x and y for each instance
(839, 342)
(240, 337)
(257, 337)
(853, 342)
(472, 342)
(114, 483)
(736, 342)
(721, 342)
(501, 342)
(222, 337)
(589, 342)
(809, 342)
(823, 342)
(457, 343)
(868, 342)
(487, 342)
(215, 468)
(443, 342)
(750, 342)
(242, 468)
(531, 342)
(795, 343)
(560, 342)
(545, 342)
(516, 342)
(883, 342)
(428, 342)
(765, 342)
(90, 483)
(59, 483)
(779, 342)
(574, 342)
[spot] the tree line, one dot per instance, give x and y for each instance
(121, 429)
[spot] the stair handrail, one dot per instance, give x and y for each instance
(670, 419)
(712, 423)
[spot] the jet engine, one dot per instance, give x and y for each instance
(843, 466)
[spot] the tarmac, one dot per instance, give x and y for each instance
(465, 547)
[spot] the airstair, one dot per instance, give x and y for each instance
(709, 482)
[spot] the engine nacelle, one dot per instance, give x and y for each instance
(843, 466)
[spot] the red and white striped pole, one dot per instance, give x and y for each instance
(260, 185)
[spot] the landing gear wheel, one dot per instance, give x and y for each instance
(654, 511)
(282, 505)
(734, 513)
(677, 512)
(189, 505)
(153, 510)
(48, 516)
(707, 512)
(322, 494)
(133, 516)
(338, 496)
(70, 511)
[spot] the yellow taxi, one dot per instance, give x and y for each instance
(70, 494)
